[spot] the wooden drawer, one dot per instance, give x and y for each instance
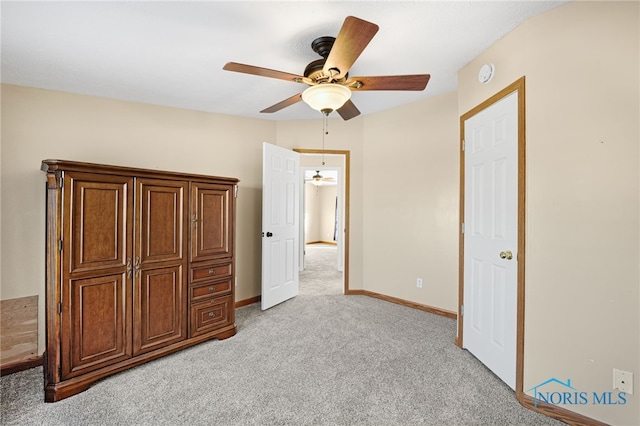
(206, 291)
(210, 315)
(209, 271)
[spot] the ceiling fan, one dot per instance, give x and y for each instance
(319, 180)
(330, 85)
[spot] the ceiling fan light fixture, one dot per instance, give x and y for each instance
(317, 179)
(326, 97)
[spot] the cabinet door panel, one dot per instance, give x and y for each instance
(96, 219)
(95, 323)
(96, 295)
(161, 220)
(161, 306)
(160, 264)
(210, 214)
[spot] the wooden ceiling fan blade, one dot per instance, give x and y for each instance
(389, 82)
(352, 39)
(348, 111)
(262, 72)
(281, 105)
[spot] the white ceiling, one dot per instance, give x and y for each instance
(172, 53)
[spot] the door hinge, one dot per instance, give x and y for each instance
(463, 144)
(60, 308)
(61, 181)
(60, 245)
(60, 370)
(235, 191)
(462, 228)
(462, 310)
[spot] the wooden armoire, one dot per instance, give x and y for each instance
(139, 263)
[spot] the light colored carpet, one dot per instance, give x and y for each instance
(318, 359)
(321, 275)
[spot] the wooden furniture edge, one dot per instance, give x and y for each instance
(403, 302)
(17, 366)
(53, 165)
(556, 412)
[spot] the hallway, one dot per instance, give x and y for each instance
(320, 276)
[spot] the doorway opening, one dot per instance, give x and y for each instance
(324, 222)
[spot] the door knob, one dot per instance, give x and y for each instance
(269, 234)
(506, 255)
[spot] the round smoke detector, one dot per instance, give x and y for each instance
(486, 73)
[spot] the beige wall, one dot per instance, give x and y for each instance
(40, 124)
(327, 212)
(404, 184)
(583, 192)
(320, 205)
(411, 202)
(311, 218)
(583, 186)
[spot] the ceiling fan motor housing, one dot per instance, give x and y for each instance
(322, 45)
(314, 71)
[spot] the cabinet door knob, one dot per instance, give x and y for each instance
(212, 271)
(211, 289)
(136, 266)
(211, 315)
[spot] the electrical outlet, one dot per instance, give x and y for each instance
(623, 380)
(419, 283)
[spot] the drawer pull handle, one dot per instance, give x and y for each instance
(212, 271)
(211, 315)
(212, 288)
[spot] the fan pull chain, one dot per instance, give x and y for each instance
(325, 131)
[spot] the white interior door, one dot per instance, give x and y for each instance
(280, 219)
(491, 236)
